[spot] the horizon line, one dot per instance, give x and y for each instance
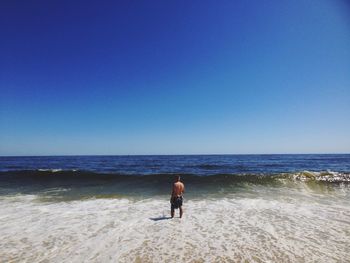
(186, 154)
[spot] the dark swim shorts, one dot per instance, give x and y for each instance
(176, 202)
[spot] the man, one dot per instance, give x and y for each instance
(176, 196)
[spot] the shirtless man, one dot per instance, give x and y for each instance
(176, 196)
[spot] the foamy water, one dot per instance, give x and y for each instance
(281, 225)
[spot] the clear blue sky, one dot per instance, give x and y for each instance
(174, 77)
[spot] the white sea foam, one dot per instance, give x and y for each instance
(263, 228)
(328, 176)
(50, 170)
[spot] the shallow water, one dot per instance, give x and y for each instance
(262, 225)
(273, 208)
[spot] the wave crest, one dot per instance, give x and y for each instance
(325, 176)
(59, 175)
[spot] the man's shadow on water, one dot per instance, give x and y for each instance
(160, 218)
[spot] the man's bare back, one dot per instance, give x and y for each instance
(176, 196)
(178, 189)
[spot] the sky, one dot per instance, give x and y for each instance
(174, 77)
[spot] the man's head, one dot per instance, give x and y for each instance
(178, 178)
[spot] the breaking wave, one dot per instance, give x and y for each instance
(59, 175)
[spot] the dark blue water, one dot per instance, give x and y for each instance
(183, 164)
(86, 176)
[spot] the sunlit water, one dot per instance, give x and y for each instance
(248, 208)
(265, 225)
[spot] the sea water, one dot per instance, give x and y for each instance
(237, 208)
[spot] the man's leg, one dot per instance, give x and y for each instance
(180, 211)
(172, 211)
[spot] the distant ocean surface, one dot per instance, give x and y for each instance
(256, 208)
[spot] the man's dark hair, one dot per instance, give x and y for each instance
(178, 177)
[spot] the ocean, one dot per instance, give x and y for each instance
(237, 208)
